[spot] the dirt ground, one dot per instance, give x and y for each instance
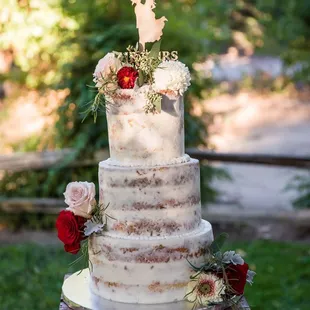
(27, 118)
(264, 124)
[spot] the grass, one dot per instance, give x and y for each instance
(283, 275)
(31, 275)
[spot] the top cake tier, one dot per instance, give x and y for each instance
(137, 138)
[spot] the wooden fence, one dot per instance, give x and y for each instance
(258, 159)
(50, 159)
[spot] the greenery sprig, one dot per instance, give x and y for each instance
(93, 107)
(84, 257)
(153, 104)
(99, 214)
(146, 62)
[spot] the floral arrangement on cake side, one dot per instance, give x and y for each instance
(83, 217)
(221, 280)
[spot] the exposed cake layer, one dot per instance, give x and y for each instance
(153, 270)
(155, 201)
(139, 138)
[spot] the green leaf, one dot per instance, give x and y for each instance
(93, 107)
(157, 104)
(154, 53)
(193, 266)
(141, 78)
(139, 47)
(218, 243)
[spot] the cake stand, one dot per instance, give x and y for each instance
(76, 294)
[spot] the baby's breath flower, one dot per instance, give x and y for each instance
(153, 102)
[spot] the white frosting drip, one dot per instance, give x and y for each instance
(178, 160)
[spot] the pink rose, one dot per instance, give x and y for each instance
(80, 197)
(105, 66)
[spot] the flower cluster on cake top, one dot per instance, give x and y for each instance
(139, 67)
(135, 69)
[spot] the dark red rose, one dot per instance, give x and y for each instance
(73, 248)
(236, 275)
(70, 230)
(81, 223)
(127, 77)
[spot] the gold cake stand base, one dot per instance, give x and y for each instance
(76, 295)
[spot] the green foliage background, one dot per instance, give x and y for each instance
(60, 41)
(81, 33)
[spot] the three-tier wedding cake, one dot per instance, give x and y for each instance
(153, 192)
(151, 186)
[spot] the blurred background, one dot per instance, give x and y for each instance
(248, 120)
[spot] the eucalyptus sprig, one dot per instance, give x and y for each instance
(99, 214)
(84, 257)
(106, 89)
(146, 62)
(153, 102)
(93, 107)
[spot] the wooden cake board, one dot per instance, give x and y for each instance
(76, 296)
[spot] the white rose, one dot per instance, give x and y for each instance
(171, 76)
(80, 197)
(105, 66)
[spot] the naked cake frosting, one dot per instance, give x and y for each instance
(157, 226)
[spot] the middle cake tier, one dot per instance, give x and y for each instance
(151, 201)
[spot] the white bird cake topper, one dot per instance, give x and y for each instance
(150, 29)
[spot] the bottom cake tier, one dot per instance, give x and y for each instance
(148, 270)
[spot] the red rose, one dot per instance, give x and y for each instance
(73, 248)
(236, 275)
(70, 230)
(127, 77)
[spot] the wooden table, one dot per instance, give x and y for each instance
(243, 304)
